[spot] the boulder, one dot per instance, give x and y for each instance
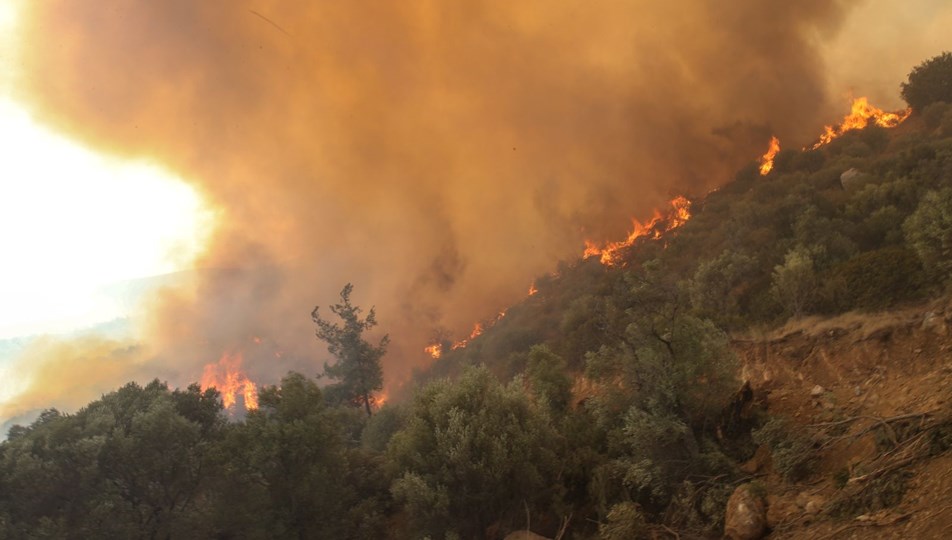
(853, 178)
(746, 517)
(524, 535)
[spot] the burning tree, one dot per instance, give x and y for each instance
(358, 362)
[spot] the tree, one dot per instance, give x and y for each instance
(358, 362)
(929, 82)
(287, 468)
(473, 454)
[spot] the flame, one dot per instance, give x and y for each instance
(860, 116)
(435, 350)
(226, 376)
(766, 161)
(610, 254)
(477, 330)
(532, 290)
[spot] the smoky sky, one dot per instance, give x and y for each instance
(438, 155)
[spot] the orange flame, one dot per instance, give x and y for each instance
(766, 161)
(435, 350)
(477, 330)
(860, 116)
(532, 289)
(610, 253)
(226, 376)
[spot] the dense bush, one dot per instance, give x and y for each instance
(929, 82)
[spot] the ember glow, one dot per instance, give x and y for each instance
(227, 377)
(533, 289)
(676, 216)
(766, 161)
(862, 114)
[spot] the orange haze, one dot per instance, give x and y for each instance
(438, 155)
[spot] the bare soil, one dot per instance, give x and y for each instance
(873, 392)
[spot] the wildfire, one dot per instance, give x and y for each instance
(610, 253)
(435, 350)
(860, 116)
(477, 330)
(226, 376)
(766, 161)
(532, 289)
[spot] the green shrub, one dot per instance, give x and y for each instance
(791, 451)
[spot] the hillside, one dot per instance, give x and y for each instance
(774, 354)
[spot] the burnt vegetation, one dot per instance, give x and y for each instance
(604, 405)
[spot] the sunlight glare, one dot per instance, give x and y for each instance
(73, 221)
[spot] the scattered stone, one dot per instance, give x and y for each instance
(817, 391)
(746, 517)
(857, 391)
(931, 321)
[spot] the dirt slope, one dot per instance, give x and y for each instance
(871, 393)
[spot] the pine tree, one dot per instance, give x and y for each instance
(358, 362)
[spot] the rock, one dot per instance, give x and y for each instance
(852, 178)
(814, 505)
(746, 517)
(817, 391)
(524, 535)
(931, 321)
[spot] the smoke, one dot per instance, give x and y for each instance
(438, 155)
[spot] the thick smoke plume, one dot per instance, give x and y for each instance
(438, 155)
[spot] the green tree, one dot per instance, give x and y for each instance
(286, 469)
(472, 456)
(929, 82)
(548, 379)
(358, 362)
(134, 464)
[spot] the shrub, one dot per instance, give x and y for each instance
(929, 232)
(881, 278)
(790, 450)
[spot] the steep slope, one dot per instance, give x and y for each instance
(871, 394)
